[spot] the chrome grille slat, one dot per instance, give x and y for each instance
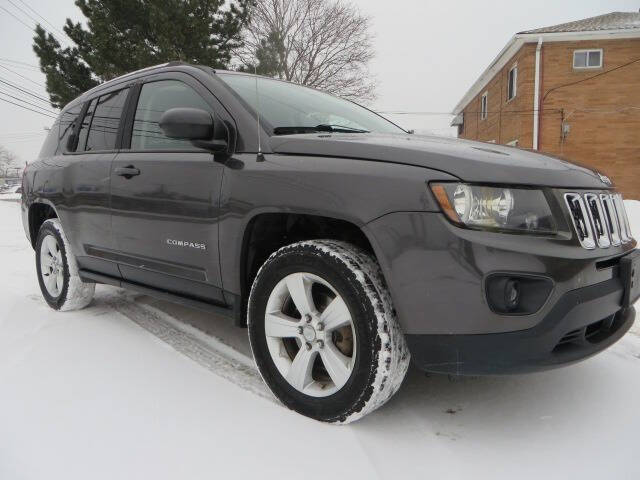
(599, 219)
(625, 229)
(611, 218)
(580, 218)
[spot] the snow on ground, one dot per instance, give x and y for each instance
(124, 389)
(13, 197)
(633, 211)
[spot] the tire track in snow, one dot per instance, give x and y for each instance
(206, 350)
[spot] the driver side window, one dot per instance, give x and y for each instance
(155, 99)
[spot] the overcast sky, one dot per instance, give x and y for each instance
(429, 52)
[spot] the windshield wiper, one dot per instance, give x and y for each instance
(323, 127)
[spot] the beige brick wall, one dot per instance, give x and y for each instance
(603, 113)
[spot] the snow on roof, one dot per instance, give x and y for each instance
(609, 21)
(603, 27)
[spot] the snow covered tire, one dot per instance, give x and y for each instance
(381, 359)
(54, 254)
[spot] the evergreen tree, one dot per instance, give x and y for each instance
(268, 57)
(126, 35)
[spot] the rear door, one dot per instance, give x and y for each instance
(87, 177)
(165, 196)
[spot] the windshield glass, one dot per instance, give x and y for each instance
(284, 105)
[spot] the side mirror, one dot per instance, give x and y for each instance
(187, 124)
(191, 124)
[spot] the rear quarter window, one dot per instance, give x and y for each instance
(68, 119)
(50, 144)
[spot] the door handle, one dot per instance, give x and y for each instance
(127, 172)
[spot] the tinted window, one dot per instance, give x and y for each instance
(104, 127)
(68, 120)
(155, 99)
(84, 128)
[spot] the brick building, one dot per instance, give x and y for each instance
(571, 90)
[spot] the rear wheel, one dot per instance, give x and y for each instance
(323, 331)
(57, 269)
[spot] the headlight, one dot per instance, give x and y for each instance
(495, 208)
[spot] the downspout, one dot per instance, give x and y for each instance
(536, 96)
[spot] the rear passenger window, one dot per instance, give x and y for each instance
(106, 119)
(84, 128)
(68, 119)
(155, 99)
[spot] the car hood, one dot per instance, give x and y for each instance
(469, 161)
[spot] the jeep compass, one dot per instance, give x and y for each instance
(346, 245)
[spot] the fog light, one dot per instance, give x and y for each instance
(511, 294)
(517, 294)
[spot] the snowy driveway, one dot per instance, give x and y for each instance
(123, 390)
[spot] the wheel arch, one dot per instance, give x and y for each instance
(266, 232)
(39, 211)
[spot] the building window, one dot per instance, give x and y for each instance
(587, 58)
(512, 86)
(483, 106)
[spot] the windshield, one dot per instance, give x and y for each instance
(289, 108)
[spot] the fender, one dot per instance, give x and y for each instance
(355, 191)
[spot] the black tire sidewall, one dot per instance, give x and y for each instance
(54, 302)
(359, 388)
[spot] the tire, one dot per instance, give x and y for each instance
(318, 370)
(57, 269)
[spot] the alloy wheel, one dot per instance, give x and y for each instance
(51, 266)
(310, 334)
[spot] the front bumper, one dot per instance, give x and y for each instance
(437, 274)
(578, 326)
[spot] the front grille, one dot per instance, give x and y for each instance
(600, 220)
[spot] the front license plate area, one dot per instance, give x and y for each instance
(630, 274)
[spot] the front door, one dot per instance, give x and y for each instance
(165, 198)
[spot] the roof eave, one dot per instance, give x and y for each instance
(518, 40)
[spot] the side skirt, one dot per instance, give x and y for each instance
(229, 311)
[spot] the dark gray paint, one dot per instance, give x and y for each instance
(467, 160)
(435, 271)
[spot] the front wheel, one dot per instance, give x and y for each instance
(323, 331)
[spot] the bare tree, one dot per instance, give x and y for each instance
(8, 161)
(324, 44)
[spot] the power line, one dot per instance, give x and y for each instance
(16, 18)
(589, 78)
(27, 108)
(23, 137)
(22, 76)
(415, 113)
(512, 112)
(31, 132)
(8, 60)
(28, 103)
(28, 92)
(36, 22)
(43, 18)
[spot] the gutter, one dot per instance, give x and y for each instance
(536, 97)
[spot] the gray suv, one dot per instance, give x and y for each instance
(346, 245)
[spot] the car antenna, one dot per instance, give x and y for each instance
(260, 157)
